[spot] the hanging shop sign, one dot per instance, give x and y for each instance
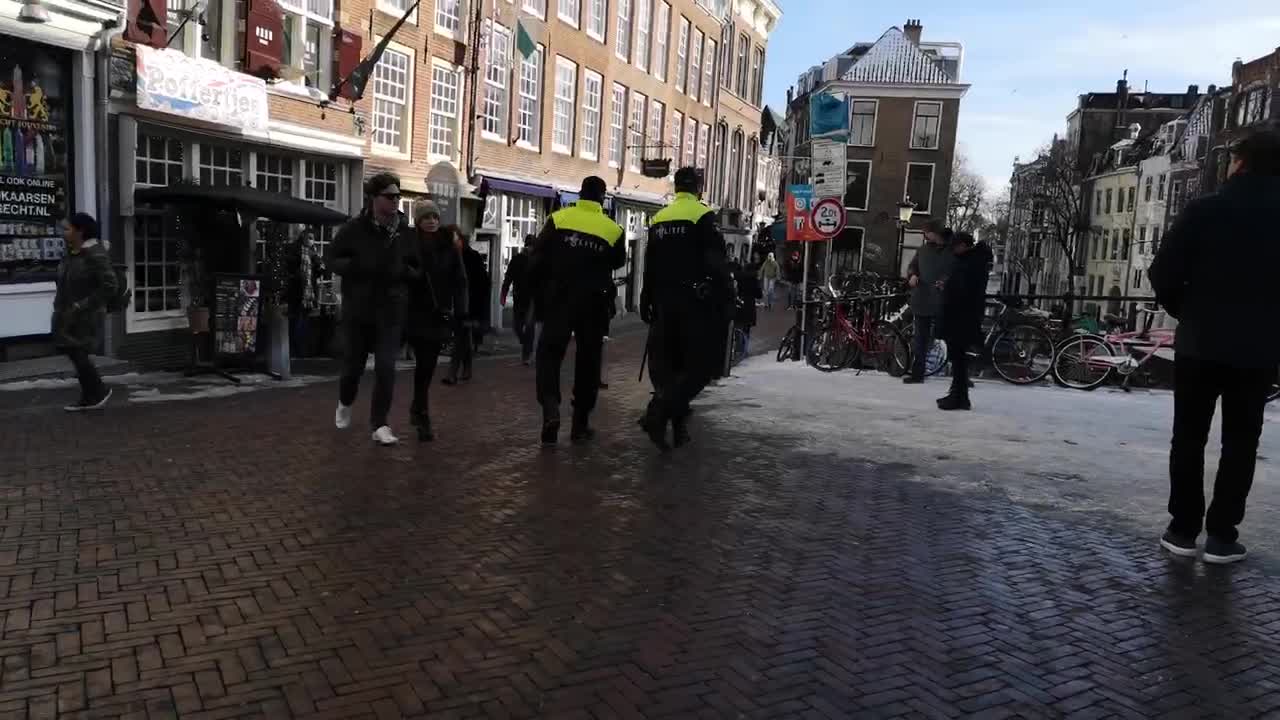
(170, 82)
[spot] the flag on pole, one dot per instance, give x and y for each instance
(525, 43)
(360, 76)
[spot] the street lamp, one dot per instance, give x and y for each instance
(905, 209)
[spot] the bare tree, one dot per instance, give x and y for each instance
(967, 198)
(1060, 195)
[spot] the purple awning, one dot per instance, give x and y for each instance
(519, 188)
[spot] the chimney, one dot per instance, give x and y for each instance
(1122, 99)
(913, 29)
(1237, 68)
(790, 96)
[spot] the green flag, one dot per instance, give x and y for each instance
(524, 39)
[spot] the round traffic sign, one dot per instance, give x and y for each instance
(828, 217)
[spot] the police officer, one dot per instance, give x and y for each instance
(686, 287)
(571, 276)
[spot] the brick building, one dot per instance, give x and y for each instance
(609, 86)
(904, 100)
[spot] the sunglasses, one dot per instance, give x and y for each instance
(393, 196)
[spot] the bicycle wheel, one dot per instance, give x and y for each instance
(1083, 362)
(828, 352)
(788, 348)
(738, 351)
(937, 358)
(889, 349)
(1022, 354)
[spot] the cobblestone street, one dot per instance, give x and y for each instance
(238, 557)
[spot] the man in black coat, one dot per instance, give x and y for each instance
(374, 254)
(514, 283)
(963, 302)
(86, 283)
(1211, 273)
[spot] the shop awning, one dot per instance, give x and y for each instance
(515, 186)
(248, 200)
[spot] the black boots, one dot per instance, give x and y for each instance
(680, 431)
(550, 427)
(955, 401)
(654, 423)
(581, 431)
(423, 424)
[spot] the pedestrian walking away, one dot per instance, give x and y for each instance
(469, 326)
(571, 274)
(86, 284)
(927, 276)
(604, 349)
(437, 293)
(374, 254)
(1227, 344)
(964, 300)
(769, 273)
(515, 286)
(687, 287)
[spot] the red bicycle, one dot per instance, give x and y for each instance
(853, 335)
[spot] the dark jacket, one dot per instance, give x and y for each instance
(515, 280)
(750, 290)
(932, 263)
(1213, 273)
(573, 259)
(685, 251)
(86, 282)
(437, 288)
(375, 264)
(478, 286)
(964, 296)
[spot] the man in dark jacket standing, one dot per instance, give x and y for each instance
(86, 282)
(964, 299)
(514, 283)
(571, 276)
(1228, 342)
(374, 254)
(927, 276)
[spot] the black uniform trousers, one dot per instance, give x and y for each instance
(1197, 386)
(683, 352)
(586, 322)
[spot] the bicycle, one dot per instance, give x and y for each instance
(1087, 360)
(937, 357)
(738, 346)
(789, 348)
(1017, 344)
(853, 336)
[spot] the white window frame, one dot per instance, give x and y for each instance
(875, 121)
(636, 129)
(622, 42)
(589, 144)
(690, 141)
(538, 61)
(618, 124)
(933, 185)
(150, 320)
(695, 64)
(391, 8)
(709, 58)
(459, 32)
(915, 117)
(455, 155)
(405, 150)
(661, 40)
(682, 54)
(597, 22)
(497, 81)
(537, 8)
(569, 12)
(866, 201)
(704, 146)
(643, 34)
(655, 132)
(563, 106)
(677, 138)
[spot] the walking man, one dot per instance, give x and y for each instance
(769, 273)
(687, 285)
(1228, 342)
(374, 254)
(571, 275)
(927, 276)
(86, 283)
(514, 283)
(964, 299)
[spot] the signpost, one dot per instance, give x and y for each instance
(828, 169)
(828, 217)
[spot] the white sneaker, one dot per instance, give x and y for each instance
(384, 436)
(342, 418)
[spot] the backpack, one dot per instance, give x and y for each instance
(120, 300)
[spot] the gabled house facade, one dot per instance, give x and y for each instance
(904, 98)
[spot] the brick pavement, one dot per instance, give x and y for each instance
(239, 558)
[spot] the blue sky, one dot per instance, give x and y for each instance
(1026, 66)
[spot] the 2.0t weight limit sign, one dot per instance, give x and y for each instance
(828, 217)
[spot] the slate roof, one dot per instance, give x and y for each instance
(895, 59)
